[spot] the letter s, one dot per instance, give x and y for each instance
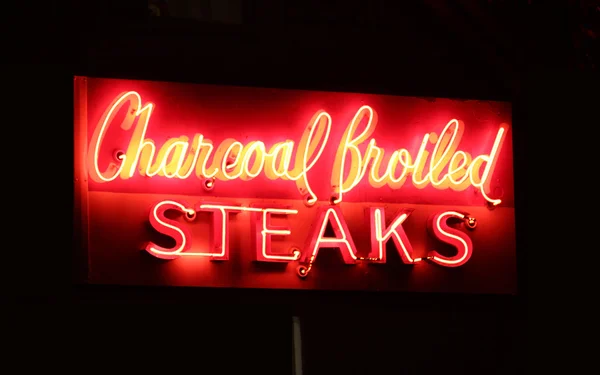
(169, 228)
(458, 239)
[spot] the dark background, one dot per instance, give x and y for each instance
(533, 53)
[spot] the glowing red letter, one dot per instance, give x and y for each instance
(443, 232)
(220, 229)
(169, 228)
(134, 110)
(380, 235)
(264, 232)
(317, 239)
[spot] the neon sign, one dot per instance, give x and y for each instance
(344, 181)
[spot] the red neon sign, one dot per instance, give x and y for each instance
(240, 169)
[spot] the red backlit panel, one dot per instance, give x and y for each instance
(218, 186)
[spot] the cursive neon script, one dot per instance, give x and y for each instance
(181, 157)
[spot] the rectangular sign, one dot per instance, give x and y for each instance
(219, 186)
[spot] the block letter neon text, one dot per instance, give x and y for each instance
(170, 228)
(458, 239)
(317, 240)
(264, 231)
(381, 234)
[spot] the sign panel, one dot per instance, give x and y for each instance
(218, 186)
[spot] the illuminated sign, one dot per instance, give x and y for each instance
(264, 188)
